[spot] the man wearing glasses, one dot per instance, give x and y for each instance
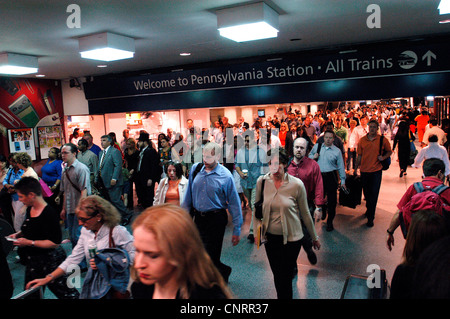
(76, 184)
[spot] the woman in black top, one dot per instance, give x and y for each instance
(403, 138)
(39, 239)
(170, 260)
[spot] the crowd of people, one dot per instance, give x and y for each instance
(284, 172)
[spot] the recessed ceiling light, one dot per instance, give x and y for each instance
(102, 66)
(40, 75)
(185, 53)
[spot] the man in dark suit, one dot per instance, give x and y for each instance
(290, 138)
(148, 171)
(109, 175)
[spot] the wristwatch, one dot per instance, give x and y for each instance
(51, 276)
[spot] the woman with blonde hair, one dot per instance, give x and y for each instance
(282, 134)
(170, 261)
(101, 227)
(24, 162)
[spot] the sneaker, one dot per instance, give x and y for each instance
(369, 223)
(251, 238)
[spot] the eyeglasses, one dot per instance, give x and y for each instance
(84, 220)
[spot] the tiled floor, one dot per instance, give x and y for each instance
(349, 249)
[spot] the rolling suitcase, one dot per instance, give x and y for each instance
(357, 287)
(353, 198)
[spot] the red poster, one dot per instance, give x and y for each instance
(28, 103)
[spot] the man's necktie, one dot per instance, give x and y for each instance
(101, 163)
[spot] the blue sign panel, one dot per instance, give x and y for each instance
(322, 75)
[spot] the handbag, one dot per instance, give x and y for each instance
(115, 294)
(46, 191)
(259, 204)
(387, 162)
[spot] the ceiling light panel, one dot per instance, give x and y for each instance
(106, 46)
(18, 64)
(247, 23)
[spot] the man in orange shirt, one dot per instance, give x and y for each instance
(422, 121)
(369, 161)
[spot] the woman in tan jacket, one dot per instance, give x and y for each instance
(285, 207)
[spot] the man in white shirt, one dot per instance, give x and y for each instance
(433, 150)
(434, 130)
(359, 131)
(351, 150)
(216, 133)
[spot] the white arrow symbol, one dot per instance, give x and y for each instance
(429, 55)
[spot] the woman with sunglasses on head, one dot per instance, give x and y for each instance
(100, 219)
(172, 188)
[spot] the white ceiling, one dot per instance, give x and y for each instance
(164, 28)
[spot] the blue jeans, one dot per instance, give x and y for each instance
(73, 227)
(74, 232)
(371, 183)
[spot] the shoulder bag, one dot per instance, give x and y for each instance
(387, 162)
(73, 185)
(115, 294)
(259, 204)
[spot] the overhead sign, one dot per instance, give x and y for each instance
(384, 60)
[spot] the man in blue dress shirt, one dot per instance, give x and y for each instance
(210, 194)
(332, 167)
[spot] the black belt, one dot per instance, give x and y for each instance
(329, 173)
(209, 212)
